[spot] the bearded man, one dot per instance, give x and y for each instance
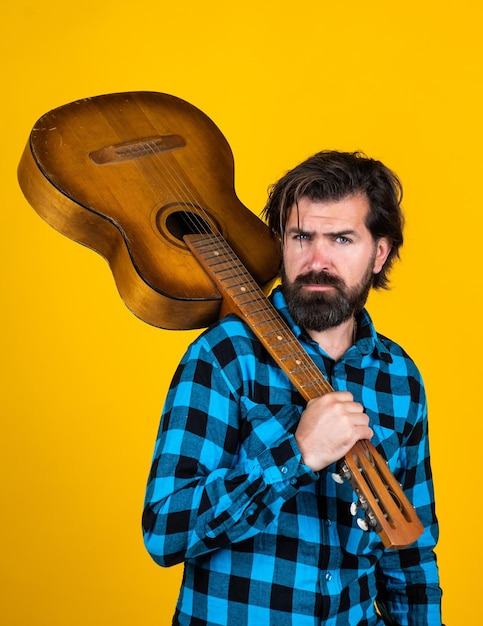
(241, 488)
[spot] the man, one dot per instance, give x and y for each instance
(241, 486)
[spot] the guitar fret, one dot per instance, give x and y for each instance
(294, 349)
(224, 274)
(260, 323)
(272, 332)
(310, 383)
(260, 310)
(210, 254)
(214, 263)
(298, 370)
(239, 289)
(203, 242)
(239, 285)
(274, 346)
(288, 357)
(302, 365)
(238, 296)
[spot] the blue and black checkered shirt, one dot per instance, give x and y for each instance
(265, 541)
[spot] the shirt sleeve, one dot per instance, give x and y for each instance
(408, 579)
(211, 483)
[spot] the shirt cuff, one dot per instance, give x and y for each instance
(283, 467)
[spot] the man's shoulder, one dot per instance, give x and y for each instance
(398, 355)
(230, 326)
(392, 346)
(229, 335)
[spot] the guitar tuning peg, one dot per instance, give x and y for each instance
(342, 474)
(363, 525)
(337, 478)
(353, 509)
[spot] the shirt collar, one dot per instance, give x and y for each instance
(367, 341)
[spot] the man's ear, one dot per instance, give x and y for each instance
(383, 248)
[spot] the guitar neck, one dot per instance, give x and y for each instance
(248, 301)
(387, 509)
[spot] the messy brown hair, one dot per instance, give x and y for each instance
(331, 176)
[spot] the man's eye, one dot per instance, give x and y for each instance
(301, 237)
(342, 239)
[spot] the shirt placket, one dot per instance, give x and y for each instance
(330, 575)
(330, 582)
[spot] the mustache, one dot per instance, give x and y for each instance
(318, 278)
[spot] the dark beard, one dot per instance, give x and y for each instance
(319, 311)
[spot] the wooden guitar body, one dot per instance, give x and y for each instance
(128, 175)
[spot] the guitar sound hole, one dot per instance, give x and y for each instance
(175, 220)
(180, 223)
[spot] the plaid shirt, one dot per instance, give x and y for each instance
(265, 541)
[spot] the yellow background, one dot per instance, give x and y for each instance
(83, 380)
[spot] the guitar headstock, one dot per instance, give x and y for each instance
(387, 509)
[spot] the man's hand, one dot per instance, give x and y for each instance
(329, 427)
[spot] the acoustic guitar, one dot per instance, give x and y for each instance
(146, 180)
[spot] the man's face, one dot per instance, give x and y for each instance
(329, 258)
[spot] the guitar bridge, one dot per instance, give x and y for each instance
(136, 149)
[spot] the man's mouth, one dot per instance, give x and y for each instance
(317, 286)
(318, 281)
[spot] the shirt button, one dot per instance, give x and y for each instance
(328, 577)
(327, 522)
(293, 481)
(284, 469)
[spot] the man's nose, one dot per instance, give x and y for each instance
(320, 257)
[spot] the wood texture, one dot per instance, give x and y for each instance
(119, 173)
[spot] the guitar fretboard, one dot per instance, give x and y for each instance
(251, 304)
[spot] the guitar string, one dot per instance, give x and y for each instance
(179, 187)
(269, 317)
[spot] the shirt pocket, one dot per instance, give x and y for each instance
(262, 426)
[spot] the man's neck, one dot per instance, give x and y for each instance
(337, 340)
